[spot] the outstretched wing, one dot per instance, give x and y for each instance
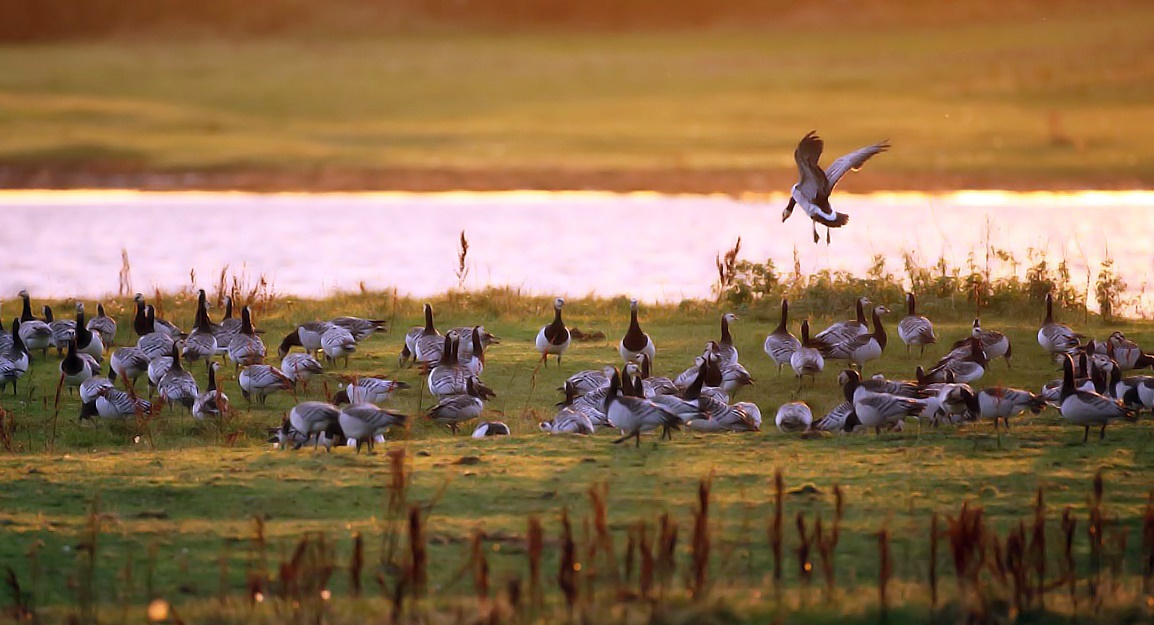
(852, 161)
(813, 183)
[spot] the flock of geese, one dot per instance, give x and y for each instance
(627, 399)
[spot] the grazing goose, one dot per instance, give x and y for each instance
(715, 415)
(337, 342)
(103, 325)
(77, 367)
(262, 381)
(486, 429)
(87, 341)
(835, 419)
(312, 419)
(780, 344)
(456, 409)
(994, 343)
(301, 367)
(428, 345)
(1128, 354)
(1146, 392)
(1085, 408)
(812, 190)
(368, 391)
(915, 329)
(964, 369)
(228, 327)
(212, 403)
(794, 417)
(568, 420)
(999, 402)
(178, 386)
(154, 344)
(129, 363)
(246, 348)
(155, 324)
(591, 404)
(685, 408)
(874, 410)
(635, 342)
(363, 422)
(35, 334)
(950, 400)
(13, 359)
(806, 359)
(553, 339)
(361, 329)
(726, 352)
(863, 347)
(633, 415)
(201, 342)
(734, 377)
(91, 387)
(307, 336)
(112, 403)
(1056, 337)
(842, 331)
(63, 330)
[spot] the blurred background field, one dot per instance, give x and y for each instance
(693, 96)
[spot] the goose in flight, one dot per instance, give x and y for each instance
(813, 188)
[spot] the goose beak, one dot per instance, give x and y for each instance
(788, 209)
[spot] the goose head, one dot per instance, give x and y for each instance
(789, 207)
(558, 303)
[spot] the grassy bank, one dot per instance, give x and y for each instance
(96, 519)
(1056, 98)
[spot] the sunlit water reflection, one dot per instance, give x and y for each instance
(653, 247)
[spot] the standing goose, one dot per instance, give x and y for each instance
(129, 363)
(842, 331)
(448, 377)
(874, 410)
(14, 359)
(154, 344)
(427, 346)
(994, 343)
(812, 190)
(807, 359)
(212, 403)
(201, 342)
(337, 342)
(63, 330)
(1128, 354)
(864, 347)
(312, 419)
(103, 325)
(635, 342)
(795, 416)
(634, 415)
(368, 391)
(1086, 408)
(178, 386)
(246, 348)
(553, 339)
(1056, 337)
(155, 324)
(228, 327)
(364, 422)
(35, 334)
(76, 367)
(915, 329)
(469, 349)
(361, 329)
(87, 341)
(726, 352)
(262, 381)
(456, 409)
(300, 367)
(780, 344)
(999, 402)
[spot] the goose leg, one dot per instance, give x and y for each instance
(1086, 436)
(827, 235)
(1102, 433)
(637, 438)
(816, 238)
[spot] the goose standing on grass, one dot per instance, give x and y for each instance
(408, 351)
(77, 367)
(874, 410)
(1056, 337)
(553, 339)
(489, 429)
(915, 329)
(35, 334)
(635, 342)
(634, 415)
(178, 386)
(262, 381)
(337, 342)
(361, 329)
(228, 327)
(807, 359)
(154, 344)
(428, 345)
(212, 403)
(63, 330)
(864, 347)
(301, 368)
(306, 336)
(246, 348)
(1128, 354)
(87, 341)
(1001, 403)
(794, 417)
(815, 185)
(90, 387)
(456, 409)
(969, 368)
(311, 419)
(994, 343)
(842, 331)
(103, 325)
(726, 352)
(201, 342)
(129, 363)
(368, 391)
(1086, 408)
(13, 360)
(364, 422)
(156, 324)
(112, 403)
(780, 344)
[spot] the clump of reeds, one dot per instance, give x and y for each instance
(775, 528)
(727, 269)
(885, 569)
(699, 556)
(569, 567)
(536, 547)
(124, 289)
(1148, 545)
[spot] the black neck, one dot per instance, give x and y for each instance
(1067, 378)
(911, 305)
(781, 325)
(246, 321)
(805, 333)
(851, 385)
(429, 329)
(726, 339)
(879, 330)
(861, 319)
(26, 314)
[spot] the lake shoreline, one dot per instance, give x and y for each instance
(664, 180)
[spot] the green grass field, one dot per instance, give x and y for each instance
(1049, 99)
(179, 501)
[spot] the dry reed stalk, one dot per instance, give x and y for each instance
(357, 564)
(666, 563)
(417, 566)
(599, 498)
(775, 529)
(536, 540)
(805, 541)
(480, 568)
(569, 567)
(934, 534)
(885, 569)
(1095, 530)
(645, 551)
(1148, 545)
(701, 541)
(1069, 526)
(1037, 549)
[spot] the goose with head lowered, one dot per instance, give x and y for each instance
(1056, 337)
(34, 332)
(1128, 354)
(965, 369)
(212, 403)
(842, 331)
(490, 429)
(635, 342)
(456, 409)
(368, 391)
(553, 339)
(300, 368)
(915, 329)
(338, 342)
(306, 336)
(311, 419)
(807, 359)
(112, 403)
(863, 347)
(364, 422)
(794, 416)
(634, 415)
(361, 329)
(813, 188)
(1000, 403)
(1088, 409)
(780, 344)
(262, 381)
(246, 348)
(129, 363)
